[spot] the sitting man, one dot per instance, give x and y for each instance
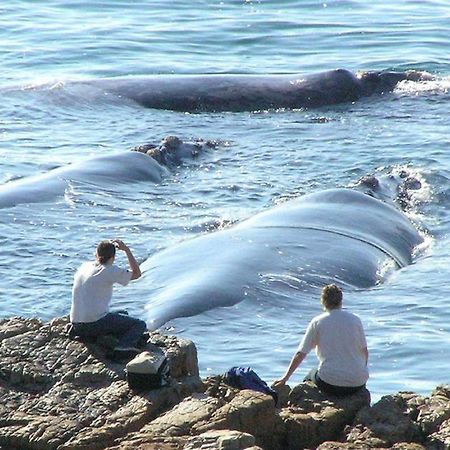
(340, 343)
(92, 293)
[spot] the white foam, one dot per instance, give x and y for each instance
(44, 83)
(387, 268)
(438, 86)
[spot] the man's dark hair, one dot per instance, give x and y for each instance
(105, 251)
(331, 297)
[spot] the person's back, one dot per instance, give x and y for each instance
(92, 293)
(340, 338)
(92, 290)
(340, 343)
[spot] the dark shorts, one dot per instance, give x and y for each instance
(338, 391)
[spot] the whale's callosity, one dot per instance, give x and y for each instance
(339, 235)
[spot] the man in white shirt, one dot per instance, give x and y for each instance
(92, 293)
(341, 347)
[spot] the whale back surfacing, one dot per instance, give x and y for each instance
(104, 170)
(339, 235)
(236, 92)
(239, 92)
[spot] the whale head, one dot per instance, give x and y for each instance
(374, 82)
(172, 151)
(397, 186)
(377, 82)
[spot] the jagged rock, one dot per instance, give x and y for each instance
(283, 395)
(37, 359)
(182, 354)
(17, 325)
(37, 432)
(174, 423)
(62, 394)
(389, 421)
(408, 446)
(65, 394)
(156, 443)
(332, 445)
(180, 420)
(215, 386)
(440, 440)
(435, 410)
(312, 417)
(368, 446)
(221, 440)
(250, 412)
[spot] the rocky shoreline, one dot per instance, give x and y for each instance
(58, 393)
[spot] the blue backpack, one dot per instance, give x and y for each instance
(246, 378)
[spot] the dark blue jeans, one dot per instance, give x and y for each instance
(127, 329)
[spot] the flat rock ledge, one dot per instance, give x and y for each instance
(63, 394)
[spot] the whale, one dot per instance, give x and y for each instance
(235, 92)
(342, 235)
(148, 162)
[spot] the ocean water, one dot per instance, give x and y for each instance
(265, 157)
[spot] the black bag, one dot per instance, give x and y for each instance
(147, 371)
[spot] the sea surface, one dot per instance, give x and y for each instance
(265, 158)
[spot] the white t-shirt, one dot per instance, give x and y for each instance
(92, 290)
(339, 340)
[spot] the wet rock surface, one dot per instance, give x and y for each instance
(58, 393)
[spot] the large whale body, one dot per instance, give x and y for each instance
(123, 167)
(338, 235)
(146, 163)
(251, 92)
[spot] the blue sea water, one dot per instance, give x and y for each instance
(268, 156)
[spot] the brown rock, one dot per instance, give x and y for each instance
(435, 410)
(440, 440)
(40, 433)
(312, 417)
(408, 446)
(65, 394)
(17, 325)
(368, 446)
(387, 422)
(182, 354)
(156, 443)
(332, 445)
(60, 394)
(249, 411)
(215, 386)
(221, 440)
(308, 398)
(283, 395)
(182, 418)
